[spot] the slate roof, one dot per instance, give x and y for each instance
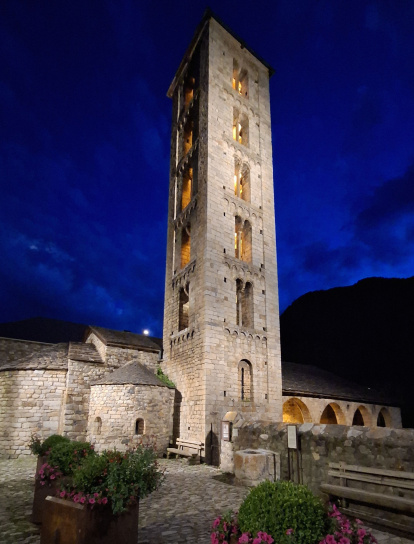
(53, 357)
(311, 381)
(127, 339)
(133, 373)
(79, 351)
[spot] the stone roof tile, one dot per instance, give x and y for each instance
(133, 373)
(128, 339)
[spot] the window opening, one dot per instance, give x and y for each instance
(184, 307)
(188, 136)
(139, 426)
(185, 245)
(242, 181)
(245, 381)
(186, 187)
(358, 419)
(240, 127)
(240, 80)
(97, 425)
(384, 418)
(189, 85)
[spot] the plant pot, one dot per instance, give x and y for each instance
(41, 492)
(66, 522)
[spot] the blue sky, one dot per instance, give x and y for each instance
(85, 135)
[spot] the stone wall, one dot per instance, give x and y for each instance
(321, 444)
(115, 409)
(30, 402)
(117, 356)
(76, 401)
(12, 350)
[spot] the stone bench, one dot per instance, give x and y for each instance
(186, 448)
(390, 492)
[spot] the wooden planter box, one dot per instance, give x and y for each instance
(66, 522)
(41, 492)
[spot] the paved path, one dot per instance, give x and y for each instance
(181, 511)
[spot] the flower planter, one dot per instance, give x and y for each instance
(41, 492)
(66, 522)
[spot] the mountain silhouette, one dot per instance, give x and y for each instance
(364, 332)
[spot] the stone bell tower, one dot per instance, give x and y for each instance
(221, 314)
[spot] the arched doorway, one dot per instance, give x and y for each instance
(384, 418)
(333, 415)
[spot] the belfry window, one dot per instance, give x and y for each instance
(184, 306)
(240, 80)
(242, 181)
(242, 240)
(188, 90)
(244, 305)
(240, 127)
(188, 136)
(185, 245)
(187, 185)
(245, 381)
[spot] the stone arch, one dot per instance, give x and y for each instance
(333, 415)
(139, 426)
(361, 417)
(384, 418)
(245, 379)
(296, 411)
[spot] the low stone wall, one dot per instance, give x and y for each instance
(321, 444)
(30, 402)
(115, 409)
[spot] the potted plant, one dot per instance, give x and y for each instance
(57, 458)
(99, 504)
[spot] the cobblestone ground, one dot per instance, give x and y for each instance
(181, 511)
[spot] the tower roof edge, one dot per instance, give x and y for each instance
(209, 14)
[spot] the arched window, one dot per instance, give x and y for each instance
(139, 426)
(242, 181)
(296, 411)
(242, 239)
(333, 414)
(188, 136)
(186, 191)
(240, 80)
(185, 245)
(97, 425)
(240, 127)
(362, 417)
(244, 305)
(245, 381)
(189, 85)
(184, 307)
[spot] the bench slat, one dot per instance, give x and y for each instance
(195, 443)
(381, 480)
(388, 501)
(380, 471)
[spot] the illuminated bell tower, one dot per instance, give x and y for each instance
(221, 315)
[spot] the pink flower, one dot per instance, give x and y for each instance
(330, 539)
(52, 476)
(244, 539)
(214, 539)
(76, 498)
(361, 533)
(42, 483)
(289, 531)
(62, 494)
(92, 501)
(257, 540)
(216, 523)
(344, 540)
(358, 521)
(104, 500)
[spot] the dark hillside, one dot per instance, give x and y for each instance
(364, 332)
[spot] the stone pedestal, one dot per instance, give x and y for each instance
(254, 466)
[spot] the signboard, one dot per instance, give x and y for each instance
(292, 435)
(226, 431)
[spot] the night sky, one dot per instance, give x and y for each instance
(85, 135)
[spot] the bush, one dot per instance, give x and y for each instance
(67, 456)
(114, 478)
(42, 448)
(277, 507)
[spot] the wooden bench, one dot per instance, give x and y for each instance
(186, 448)
(392, 491)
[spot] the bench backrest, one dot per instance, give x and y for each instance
(380, 476)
